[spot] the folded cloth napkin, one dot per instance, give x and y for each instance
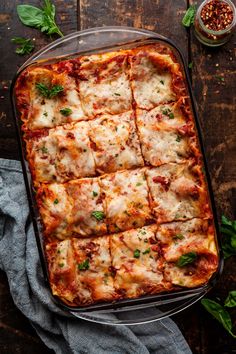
(59, 330)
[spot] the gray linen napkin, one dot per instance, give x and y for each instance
(62, 332)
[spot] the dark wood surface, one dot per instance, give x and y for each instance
(216, 107)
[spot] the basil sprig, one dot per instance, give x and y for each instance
(40, 18)
(25, 45)
(188, 18)
(48, 92)
(219, 313)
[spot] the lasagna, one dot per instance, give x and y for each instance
(117, 172)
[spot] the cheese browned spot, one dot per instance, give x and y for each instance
(137, 261)
(178, 192)
(197, 237)
(115, 143)
(126, 200)
(64, 153)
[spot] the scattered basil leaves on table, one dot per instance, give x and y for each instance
(25, 45)
(40, 18)
(219, 313)
(228, 229)
(188, 18)
(231, 299)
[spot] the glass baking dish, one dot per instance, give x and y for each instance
(147, 308)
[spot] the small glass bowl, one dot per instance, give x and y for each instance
(209, 37)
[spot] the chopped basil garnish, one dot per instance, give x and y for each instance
(66, 111)
(147, 251)
(99, 215)
(47, 92)
(162, 82)
(186, 258)
(44, 150)
(178, 138)
(178, 237)
(95, 194)
(84, 265)
(117, 94)
(137, 253)
(61, 265)
(56, 201)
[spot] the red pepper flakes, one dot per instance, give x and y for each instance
(217, 15)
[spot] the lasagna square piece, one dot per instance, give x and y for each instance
(115, 143)
(137, 263)
(189, 250)
(61, 154)
(48, 99)
(94, 275)
(126, 200)
(178, 191)
(153, 78)
(104, 86)
(166, 135)
(72, 209)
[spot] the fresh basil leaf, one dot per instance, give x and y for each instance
(30, 15)
(231, 299)
(186, 258)
(43, 19)
(48, 92)
(99, 215)
(188, 18)
(228, 229)
(84, 265)
(219, 313)
(26, 46)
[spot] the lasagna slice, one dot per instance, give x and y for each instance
(47, 99)
(126, 200)
(80, 271)
(93, 270)
(166, 135)
(61, 154)
(72, 209)
(104, 86)
(155, 78)
(115, 143)
(137, 263)
(178, 191)
(189, 250)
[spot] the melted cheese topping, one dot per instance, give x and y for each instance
(96, 282)
(151, 82)
(104, 87)
(163, 139)
(45, 112)
(126, 198)
(115, 143)
(137, 262)
(177, 192)
(117, 112)
(67, 209)
(63, 154)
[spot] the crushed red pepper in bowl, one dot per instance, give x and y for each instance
(215, 21)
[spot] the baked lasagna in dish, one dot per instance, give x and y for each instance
(113, 151)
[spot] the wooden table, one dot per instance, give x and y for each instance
(216, 107)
